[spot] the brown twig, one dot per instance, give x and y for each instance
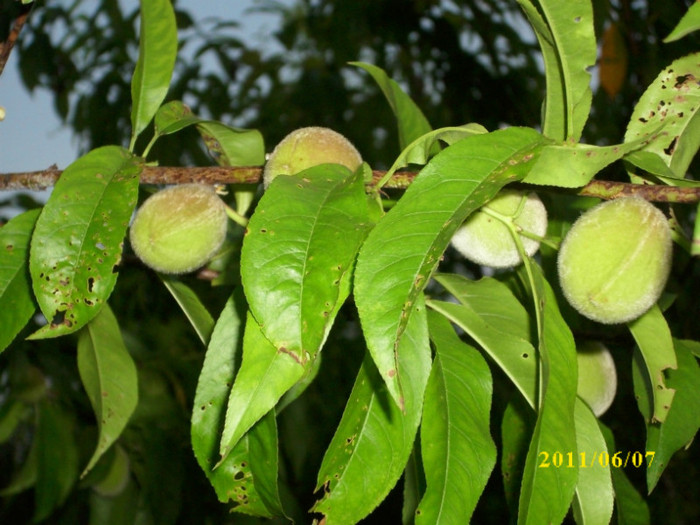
(40, 180)
(7, 45)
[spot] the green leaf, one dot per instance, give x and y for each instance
(457, 449)
(16, 299)
(653, 337)
(263, 378)
(77, 241)
(566, 35)
(683, 419)
(25, 478)
(109, 376)
(248, 475)
(689, 23)
(516, 430)
(57, 460)
(154, 68)
(671, 100)
(574, 165)
(546, 493)
(594, 501)
(12, 413)
(299, 252)
(402, 251)
(229, 146)
(498, 322)
(629, 504)
(411, 121)
(198, 315)
(374, 439)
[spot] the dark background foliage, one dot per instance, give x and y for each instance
(461, 61)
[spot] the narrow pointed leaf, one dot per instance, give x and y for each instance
(683, 419)
(403, 250)
(109, 377)
(16, 299)
(198, 315)
(457, 449)
(263, 378)
(248, 475)
(154, 68)
(498, 322)
(516, 431)
(689, 23)
(671, 100)
(77, 241)
(229, 146)
(653, 337)
(299, 252)
(594, 501)
(411, 121)
(374, 439)
(546, 493)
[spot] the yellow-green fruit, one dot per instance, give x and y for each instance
(597, 378)
(615, 260)
(179, 229)
(308, 147)
(485, 240)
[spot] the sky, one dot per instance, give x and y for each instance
(32, 137)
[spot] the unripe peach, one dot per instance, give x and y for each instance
(615, 260)
(485, 240)
(597, 377)
(308, 147)
(179, 229)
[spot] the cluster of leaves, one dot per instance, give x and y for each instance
(425, 401)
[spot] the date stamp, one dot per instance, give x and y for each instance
(619, 459)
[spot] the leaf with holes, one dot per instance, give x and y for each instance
(77, 241)
(403, 250)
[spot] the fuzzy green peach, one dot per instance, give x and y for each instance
(597, 376)
(308, 147)
(486, 240)
(179, 229)
(615, 260)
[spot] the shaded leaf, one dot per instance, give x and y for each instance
(154, 68)
(77, 241)
(198, 315)
(299, 253)
(263, 378)
(653, 337)
(594, 501)
(612, 68)
(683, 419)
(403, 250)
(16, 299)
(374, 439)
(457, 449)
(498, 322)
(109, 376)
(411, 121)
(516, 431)
(671, 100)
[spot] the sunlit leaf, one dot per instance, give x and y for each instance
(671, 100)
(689, 23)
(299, 253)
(653, 337)
(374, 439)
(109, 376)
(16, 299)
(264, 376)
(411, 121)
(516, 430)
(198, 315)
(77, 241)
(403, 250)
(154, 68)
(457, 449)
(683, 419)
(546, 493)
